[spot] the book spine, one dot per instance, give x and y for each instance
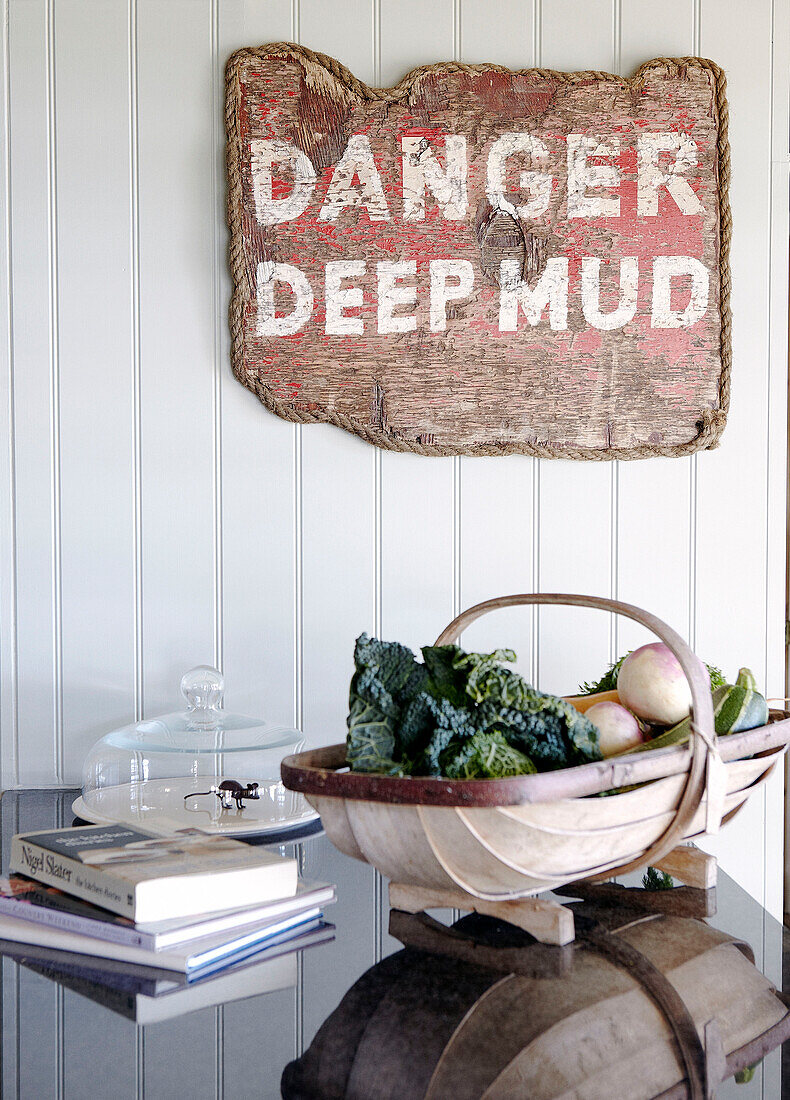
(70, 922)
(72, 876)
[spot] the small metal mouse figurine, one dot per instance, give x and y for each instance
(228, 792)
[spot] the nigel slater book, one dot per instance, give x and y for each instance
(150, 878)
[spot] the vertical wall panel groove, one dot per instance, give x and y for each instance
(379, 901)
(299, 617)
(29, 166)
(96, 402)
(9, 740)
(778, 423)
(54, 398)
(458, 54)
(537, 33)
(298, 581)
(537, 61)
(614, 488)
(262, 522)
(179, 187)
(575, 37)
(134, 288)
(652, 540)
(217, 145)
(734, 632)
(219, 324)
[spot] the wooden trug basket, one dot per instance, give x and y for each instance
(490, 844)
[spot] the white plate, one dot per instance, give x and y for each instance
(159, 807)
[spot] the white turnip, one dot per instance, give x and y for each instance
(652, 684)
(618, 729)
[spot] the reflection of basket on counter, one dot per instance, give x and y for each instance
(502, 840)
(665, 1007)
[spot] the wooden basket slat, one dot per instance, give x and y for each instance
(540, 852)
(393, 839)
(596, 815)
(472, 867)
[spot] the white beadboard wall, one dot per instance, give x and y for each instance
(155, 516)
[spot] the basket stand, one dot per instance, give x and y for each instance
(547, 920)
(551, 922)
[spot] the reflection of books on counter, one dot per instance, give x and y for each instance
(141, 996)
(149, 878)
(29, 900)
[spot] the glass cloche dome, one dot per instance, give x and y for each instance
(201, 768)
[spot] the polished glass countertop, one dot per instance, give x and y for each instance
(413, 1019)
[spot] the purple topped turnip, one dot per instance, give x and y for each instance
(617, 728)
(652, 684)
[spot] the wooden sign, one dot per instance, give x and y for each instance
(481, 261)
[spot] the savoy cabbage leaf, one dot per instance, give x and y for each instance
(486, 755)
(466, 678)
(457, 714)
(383, 671)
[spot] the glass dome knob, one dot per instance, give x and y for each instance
(203, 688)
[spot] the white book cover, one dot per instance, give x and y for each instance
(149, 878)
(201, 956)
(29, 900)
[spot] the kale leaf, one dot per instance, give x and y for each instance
(451, 725)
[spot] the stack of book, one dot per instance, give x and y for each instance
(145, 916)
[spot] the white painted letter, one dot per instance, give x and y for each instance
(357, 160)
(340, 298)
(263, 154)
(421, 169)
(591, 293)
(550, 290)
(665, 268)
(391, 295)
(441, 293)
(651, 178)
(266, 275)
(539, 183)
(582, 175)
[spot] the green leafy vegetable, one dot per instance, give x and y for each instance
(450, 726)
(383, 671)
(608, 682)
(653, 879)
(458, 714)
(487, 754)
